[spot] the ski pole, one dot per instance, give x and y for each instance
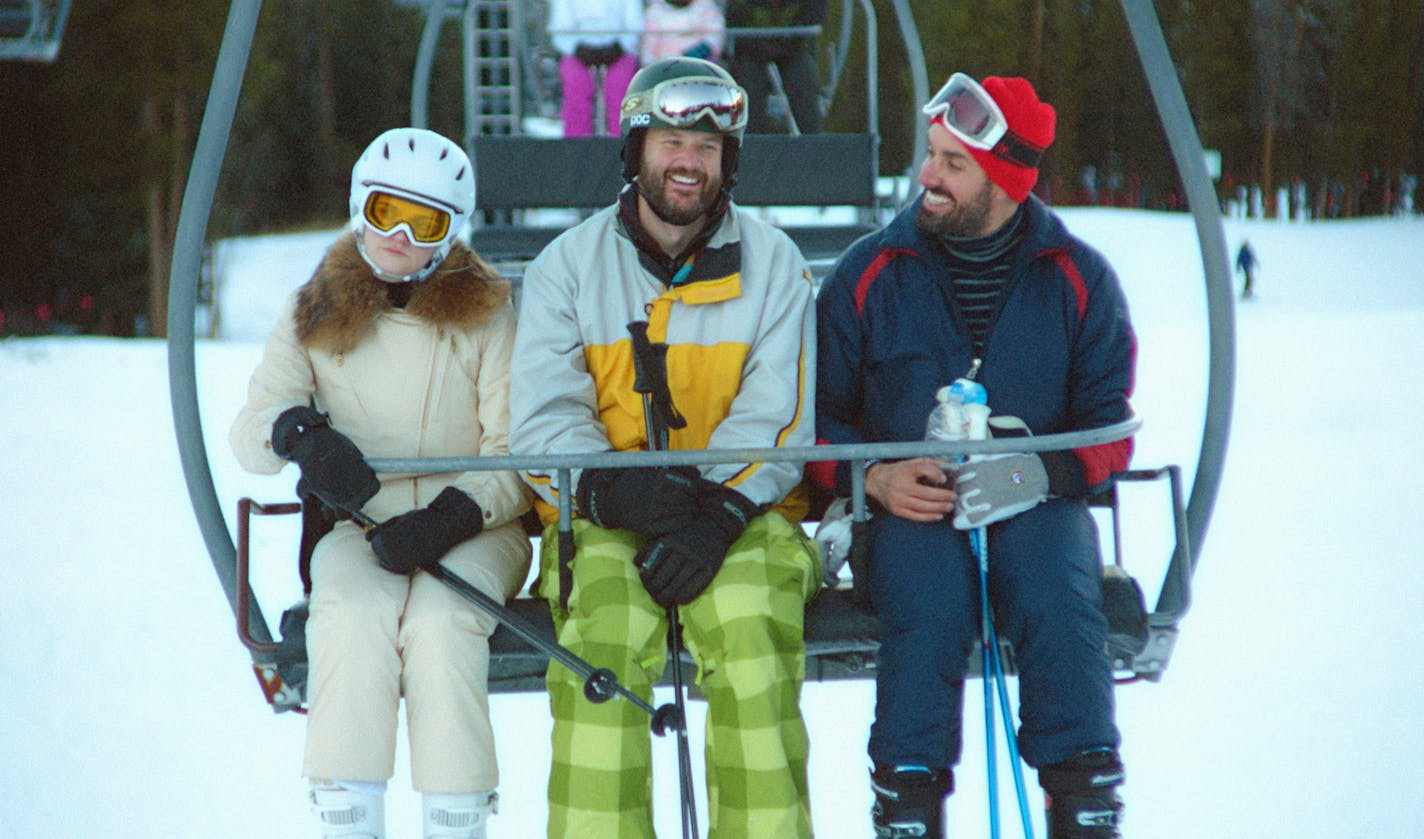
(599, 683)
(659, 414)
(684, 749)
(994, 670)
(977, 414)
(989, 640)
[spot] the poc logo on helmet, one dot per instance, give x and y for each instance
(640, 120)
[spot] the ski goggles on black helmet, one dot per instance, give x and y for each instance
(388, 212)
(683, 103)
(972, 115)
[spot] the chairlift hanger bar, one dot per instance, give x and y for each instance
(1187, 151)
(798, 454)
(183, 297)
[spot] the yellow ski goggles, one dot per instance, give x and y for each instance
(424, 224)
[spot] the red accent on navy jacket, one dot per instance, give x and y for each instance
(1060, 352)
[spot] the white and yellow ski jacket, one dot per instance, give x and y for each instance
(741, 353)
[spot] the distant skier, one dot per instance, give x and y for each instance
(398, 346)
(1246, 263)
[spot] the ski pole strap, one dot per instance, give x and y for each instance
(650, 377)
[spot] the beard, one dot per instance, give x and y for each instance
(653, 186)
(969, 219)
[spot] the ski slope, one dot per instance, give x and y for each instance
(1290, 709)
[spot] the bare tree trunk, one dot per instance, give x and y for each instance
(163, 200)
(178, 172)
(154, 229)
(1035, 62)
(1268, 142)
(326, 102)
(179, 145)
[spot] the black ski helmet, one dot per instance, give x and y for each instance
(644, 107)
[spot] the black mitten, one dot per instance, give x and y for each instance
(333, 468)
(679, 566)
(422, 537)
(648, 500)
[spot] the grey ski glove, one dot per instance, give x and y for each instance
(996, 487)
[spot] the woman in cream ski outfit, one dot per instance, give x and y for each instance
(398, 346)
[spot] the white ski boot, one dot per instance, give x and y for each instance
(464, 816)
(347, 813)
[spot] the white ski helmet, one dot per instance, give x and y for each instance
(422, 166)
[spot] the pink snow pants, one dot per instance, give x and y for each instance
(580, 81)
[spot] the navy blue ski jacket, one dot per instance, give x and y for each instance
(1060, 352)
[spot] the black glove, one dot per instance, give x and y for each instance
(677, 567)
(332, 467)
(648, 500)
(421, 537)
(591, 55)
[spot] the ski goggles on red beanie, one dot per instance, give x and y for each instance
(388, 212)
(1002, 123)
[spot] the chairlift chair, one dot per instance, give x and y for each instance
(31, 30)
(840, 635)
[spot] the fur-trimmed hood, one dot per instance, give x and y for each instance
(337, 307)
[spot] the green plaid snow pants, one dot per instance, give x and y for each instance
(745, 633)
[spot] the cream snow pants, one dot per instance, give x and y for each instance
(373, 636)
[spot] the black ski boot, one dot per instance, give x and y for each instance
(1081, 796)
(909, 802)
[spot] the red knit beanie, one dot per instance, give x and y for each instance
(1032, 121)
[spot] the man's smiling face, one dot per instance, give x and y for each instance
(681, 173)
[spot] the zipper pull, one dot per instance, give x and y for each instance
(973, 369)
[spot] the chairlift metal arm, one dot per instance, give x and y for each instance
(424, 60)
(1186, 147)
(183, 299)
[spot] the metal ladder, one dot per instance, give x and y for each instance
(491, 32)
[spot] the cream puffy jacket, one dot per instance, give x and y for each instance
(428, 380)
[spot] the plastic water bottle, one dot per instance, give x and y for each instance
(955, 411)
(976, 411)
(947, 422)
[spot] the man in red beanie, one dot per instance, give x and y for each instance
(978, 279)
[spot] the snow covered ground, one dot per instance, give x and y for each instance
(1291, 708)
